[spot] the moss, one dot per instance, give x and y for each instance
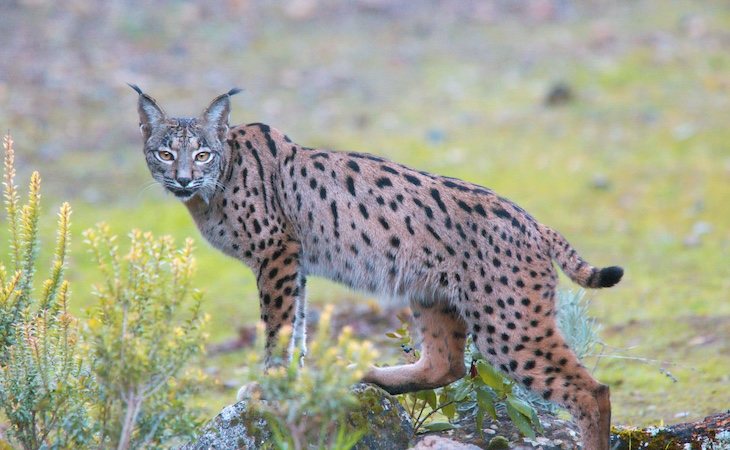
(384, 424)
(370, 412)
(256, 427)
(646, 438)
(498, 443)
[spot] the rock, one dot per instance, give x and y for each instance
(390, 428)
(389, 425)
(233, 428)
(713, 432)
(559, 434)
(301, 9)
(239, 427)
(600, 182)
(442, 443)
(558, 94)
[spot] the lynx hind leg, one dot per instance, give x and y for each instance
(443, 337)
(527, 345)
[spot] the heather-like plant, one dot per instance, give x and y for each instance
(43, 375)
(121, 383)
(146, 327)
(306, 406)
(580, 330)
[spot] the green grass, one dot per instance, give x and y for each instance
(649, 120)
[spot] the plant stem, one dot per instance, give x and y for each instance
(134, 402)
(419, 423)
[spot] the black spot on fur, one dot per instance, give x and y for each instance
(353, 165)
(411, 179)
(437, 196)
(452, 185)
(351, 186)
(363, 211)
(408, 225)
(384, 223)
(462, 204)
(501, 212)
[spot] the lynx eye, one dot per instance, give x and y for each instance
(202, 157)
(164, 155)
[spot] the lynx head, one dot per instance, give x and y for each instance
(185, 155)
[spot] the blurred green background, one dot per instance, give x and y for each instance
(607, 120)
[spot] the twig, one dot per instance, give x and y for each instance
(419, 423)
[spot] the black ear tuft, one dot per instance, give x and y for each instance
(151, 115)
(216, 114)
(136, 88)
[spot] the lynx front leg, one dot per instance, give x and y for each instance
(299, 339)
(278, 282)
(442, 353)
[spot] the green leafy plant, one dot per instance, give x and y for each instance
(480, 392)
(141, 340)
(306, 407)
(42, 371)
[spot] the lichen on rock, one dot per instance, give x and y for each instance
(240, 426)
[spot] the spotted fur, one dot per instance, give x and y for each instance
(464, 258)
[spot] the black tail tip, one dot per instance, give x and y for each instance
(609, 276)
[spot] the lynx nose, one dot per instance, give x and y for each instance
(184, 181)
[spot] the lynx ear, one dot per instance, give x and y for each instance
(150, 115)
(216, 114)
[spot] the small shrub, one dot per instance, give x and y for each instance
(140, 338)
(117, 379)
(306, 406)
(579, 329)
(43, 376)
